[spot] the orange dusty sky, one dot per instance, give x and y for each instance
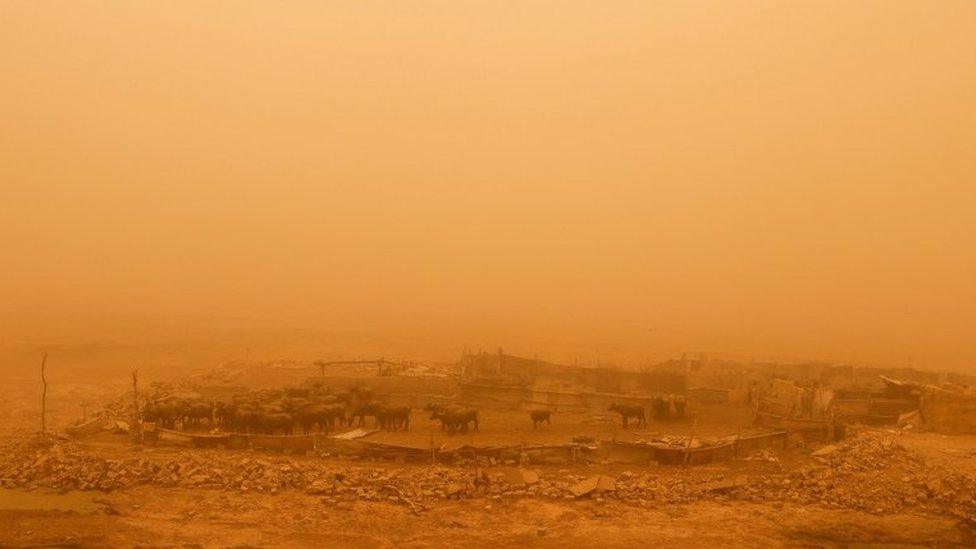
(789, 179)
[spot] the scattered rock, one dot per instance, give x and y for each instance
(824, 451)
(597, 483)
(868, 472)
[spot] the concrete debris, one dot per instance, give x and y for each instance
(356, 433)
(872, 473)
(596, 483)
(722, 485)
(824, 451)
(585, 487)
(910, 420)
(764, 455)
(520, 476)
(868, 472)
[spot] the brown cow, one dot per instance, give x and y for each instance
(395, 417)
(322, 415)
(538, 416)
(167, 413)
(627, 411)
(455, 418)
(274, 422)
(361, 411)
(195, 411)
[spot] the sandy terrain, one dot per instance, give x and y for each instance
(214, 519)
(153, 514)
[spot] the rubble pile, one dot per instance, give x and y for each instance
(871, 472)
(64, 465)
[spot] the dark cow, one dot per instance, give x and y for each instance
(335, 415)
(195, 412)
(276, 422)
(168, 413)
(435, 409)
(240, 415)
(395, 417)
(679, 405)
(224, 414)
(248, 420)
(661, 407)
(361, 411)
(669, 406)
(322, 415)
(538, 416)
(628, 411)
(455, 418)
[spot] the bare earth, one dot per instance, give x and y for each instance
(164, 517)
(152, 515)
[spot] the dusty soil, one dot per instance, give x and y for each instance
(154, 515)
(159, 518)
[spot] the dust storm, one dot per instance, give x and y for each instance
(470, 273)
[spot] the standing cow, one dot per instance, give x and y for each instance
(538, 416)
(455, 418)
(395, 417)
(628, 411)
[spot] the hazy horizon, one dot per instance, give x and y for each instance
(746, 178)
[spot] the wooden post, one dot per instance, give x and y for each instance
(43, 394)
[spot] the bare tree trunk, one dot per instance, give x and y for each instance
(135, 427)
(43, 394)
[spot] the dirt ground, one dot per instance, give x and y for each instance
(174, 518)
(499, 427)
(160, 516)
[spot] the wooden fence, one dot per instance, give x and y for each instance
(597, 452)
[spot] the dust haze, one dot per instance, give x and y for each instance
(641, 179)
(763, 210)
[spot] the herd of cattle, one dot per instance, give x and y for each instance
(667, 406)
(321, 410)
(273, 412)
